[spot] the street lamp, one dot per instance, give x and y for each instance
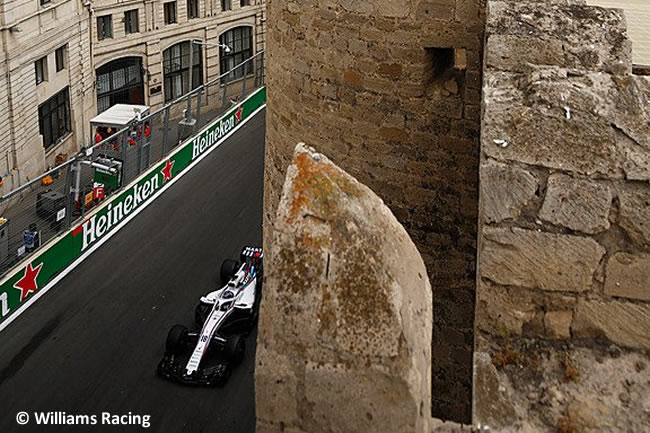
(225, 47)
(187, 117)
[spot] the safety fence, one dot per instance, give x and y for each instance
(50, 204)
(44, 229)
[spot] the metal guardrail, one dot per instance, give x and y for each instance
(33, 213)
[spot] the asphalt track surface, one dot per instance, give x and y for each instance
(92, 343)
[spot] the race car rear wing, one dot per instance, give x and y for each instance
(252, 253)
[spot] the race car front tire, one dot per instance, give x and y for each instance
(176, 337)
(228, 269)
(235, 348)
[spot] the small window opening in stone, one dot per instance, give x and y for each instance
(443, 65)
(439, 62)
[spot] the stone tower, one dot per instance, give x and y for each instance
(391, 92)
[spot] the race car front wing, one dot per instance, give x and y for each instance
(170, 367)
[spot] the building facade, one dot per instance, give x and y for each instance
(45, 84)
(64, 61)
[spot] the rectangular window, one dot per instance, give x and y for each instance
(104, 27)
(59, 54)
(192, 9)
(131, 22)
(41, 70)
(45, 2)
(170, 12)
(243, 3)
(176, 69)
(54, 118)
(226, 5)
(240, 42)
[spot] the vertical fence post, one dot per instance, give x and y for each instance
(245, 67)
(68, 195)
(224, 99)
(255, 70)
(138, 131)
(77, 183)
(146, 143)
(187, 118)
(123, 143)
(198, 111)
(165, 132)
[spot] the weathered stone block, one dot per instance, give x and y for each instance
(623, 323)
(628, 276)
(357, 6)
(368, 397)
(505, 190)
(356, 302)
(539, 260)
(275, 388)
(635, 212)
(358, 47)
(391, 9)
(468, 11)
(492, 401)
(563, 35)
(352, 78)
(558, 324)
(473, 113)
(637, 163)
(391, 70)
(577, 204)
(434, 10)
(538, 137)
(513, 53)
(591, 415)
(501, 311)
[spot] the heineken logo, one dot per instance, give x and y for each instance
(95, 227)
(204, 141)
(167, 171)
(27, 284)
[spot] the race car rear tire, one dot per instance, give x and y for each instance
(235, 348)
(175, 339)
(228, 269)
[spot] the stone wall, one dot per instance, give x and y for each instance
(564, 248)
(391, 91)
(345, 326)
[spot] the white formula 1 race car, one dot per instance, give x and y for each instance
(224, 318)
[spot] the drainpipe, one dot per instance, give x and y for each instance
(10, 99)
(91, 60)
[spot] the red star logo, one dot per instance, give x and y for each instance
(167, 171)
(27, 283)
(238, 114)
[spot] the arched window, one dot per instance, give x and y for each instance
(240, 41)
(120, 82)
(176, 69)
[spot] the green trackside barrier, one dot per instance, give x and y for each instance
(26, 281)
